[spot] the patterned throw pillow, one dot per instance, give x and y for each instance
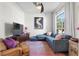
(49, 33)
(2, 45)
(10, 43)
(59, 37)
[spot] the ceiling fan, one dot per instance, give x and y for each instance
(39, 5)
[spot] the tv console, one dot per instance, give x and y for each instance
(22, 37)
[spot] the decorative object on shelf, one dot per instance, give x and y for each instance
(39, 6)
(38, 22)
(25, 30)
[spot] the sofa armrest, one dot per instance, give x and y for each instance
(60, 45)
(12, 52)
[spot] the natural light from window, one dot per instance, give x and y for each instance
(60, 22)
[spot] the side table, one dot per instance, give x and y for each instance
(73, 47)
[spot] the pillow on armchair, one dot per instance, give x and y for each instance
(10, 43)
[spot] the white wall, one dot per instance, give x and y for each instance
(29, 23)
(9, 13)
(49, 22)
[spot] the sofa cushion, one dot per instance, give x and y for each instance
(10, 43)
(54, 35)
(2, 45)
(33, 38)
(66, 36)
(59, 37)
(40, 36)
(48, 38)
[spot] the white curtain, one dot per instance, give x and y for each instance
(69, 18)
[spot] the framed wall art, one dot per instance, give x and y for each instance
(38, 22)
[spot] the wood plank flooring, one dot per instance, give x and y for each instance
(41, 48)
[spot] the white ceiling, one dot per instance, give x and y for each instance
(30, 8)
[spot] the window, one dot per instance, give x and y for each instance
(60, 22)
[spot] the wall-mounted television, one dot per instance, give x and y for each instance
(16, 26)
(17, 29)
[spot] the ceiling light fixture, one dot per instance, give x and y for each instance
(39, 6)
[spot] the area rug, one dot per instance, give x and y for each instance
(41, 48)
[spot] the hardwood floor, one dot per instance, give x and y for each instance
(41, 48)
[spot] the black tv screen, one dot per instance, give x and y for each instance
(17, 29)
(16, 26)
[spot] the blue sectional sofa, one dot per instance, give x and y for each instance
(57, 45)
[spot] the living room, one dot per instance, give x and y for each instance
(59, 19)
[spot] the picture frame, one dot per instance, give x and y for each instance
(38, 22)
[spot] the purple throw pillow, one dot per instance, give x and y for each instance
(10, 43)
